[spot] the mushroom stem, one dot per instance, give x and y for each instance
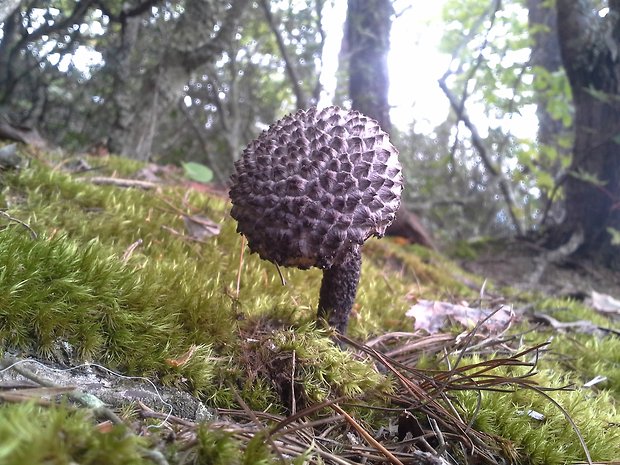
(338, 290)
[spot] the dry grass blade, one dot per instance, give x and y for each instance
(372, 441)
(428, 391)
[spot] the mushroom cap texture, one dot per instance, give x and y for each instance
(313, 187)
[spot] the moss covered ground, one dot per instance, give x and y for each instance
(116, 275)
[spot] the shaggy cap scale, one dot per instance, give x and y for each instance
(314, 186)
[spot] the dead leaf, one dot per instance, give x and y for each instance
(200, 227)
(105, 427)
(183, 359)
(433, 316)
(605, 303)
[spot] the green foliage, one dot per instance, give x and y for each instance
(198, 172)
(58, 435)
(554, 88)
(493, 74)
(615, 236)
(588, 177)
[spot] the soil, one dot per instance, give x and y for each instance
(525, 266)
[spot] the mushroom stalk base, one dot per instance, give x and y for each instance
(338, 290)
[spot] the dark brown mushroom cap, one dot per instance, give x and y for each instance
(314, 186)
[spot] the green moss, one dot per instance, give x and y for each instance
(134, 313)
(581, 356)
(584, 357)
(323, 368)
(465, 250)
(216, 447)
(568, 310)
(138, 311)
(54, 289)
(552, 440)
(57, 435)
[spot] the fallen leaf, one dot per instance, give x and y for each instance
(200, 227)
(183, 359)
(198, 172)
(605, 303)
(105, 427)
(433, 316)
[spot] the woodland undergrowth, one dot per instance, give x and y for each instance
(155, 283)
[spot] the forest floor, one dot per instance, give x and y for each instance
(135, 328)
(521, 264)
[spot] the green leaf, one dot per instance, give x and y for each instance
(198, 172)
(545, 180)
(615, 236)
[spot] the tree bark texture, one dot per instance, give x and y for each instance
(368, 26)
(545, 54)
(543, 24)
(590, 54)
(200, 36)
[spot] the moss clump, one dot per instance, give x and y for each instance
(134, 313)
(587, 357)
(53, 290)
(58, 435)
(216, 447)
(564, 309)
(324, 368)
(551, 439)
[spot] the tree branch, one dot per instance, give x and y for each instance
(478, 143)
(300, 95)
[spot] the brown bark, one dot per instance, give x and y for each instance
(589, 47)
(368, 28)
(29, 136)
(408, 226)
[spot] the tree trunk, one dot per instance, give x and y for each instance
(7, 7)
(589, 48)
(368, 26)
(193, 44)
(542, 21)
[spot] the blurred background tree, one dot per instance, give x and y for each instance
(195, 80)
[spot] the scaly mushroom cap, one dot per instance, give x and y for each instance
(314, 186)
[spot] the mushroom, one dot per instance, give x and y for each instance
(310, 190)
